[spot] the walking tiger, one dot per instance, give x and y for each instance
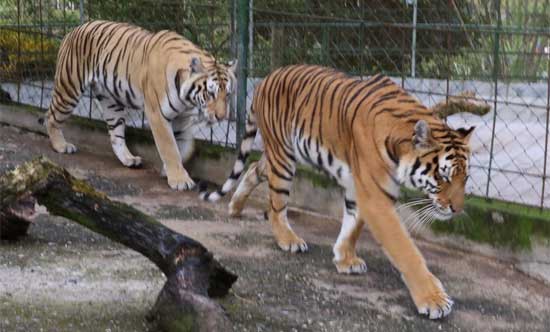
(175, 83)
(371, 136)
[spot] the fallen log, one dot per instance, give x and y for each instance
(193, 275)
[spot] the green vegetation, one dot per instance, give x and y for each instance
(495, 222)
(454, 38)
(26, 55)
(522, 32)
(206, 23)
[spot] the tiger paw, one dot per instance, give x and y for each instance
(354, 265)
(185, 183)
(65, 147)
(293, 244)
(132, 161)
(432, 300)
(235, 208)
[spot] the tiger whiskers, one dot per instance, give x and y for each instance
(412, 218)
(426, 219)
(413, 203)
(420, 218)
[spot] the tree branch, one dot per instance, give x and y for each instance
(193, 274)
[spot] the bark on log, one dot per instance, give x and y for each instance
(193, 275)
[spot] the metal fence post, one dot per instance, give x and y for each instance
(324, 47)
(413, 44)
(544, 174)
(448, 57)
(42, 58)
(496, 64)
(18, 63)
(242, 72)
(250, 36)
(81, 11)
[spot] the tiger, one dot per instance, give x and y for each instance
(466, 101)
(127, 68)
(371, 137)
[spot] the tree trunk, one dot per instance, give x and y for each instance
(193, 275)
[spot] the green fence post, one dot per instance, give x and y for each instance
(242, 72)
(18, 62)
(496, 70)
(324, 46)
(544, 174)
(81, 11)
(42, 58)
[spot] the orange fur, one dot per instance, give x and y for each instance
(371, 137)
(129, 68)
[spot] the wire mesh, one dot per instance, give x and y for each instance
(31, 32)
(497, 49)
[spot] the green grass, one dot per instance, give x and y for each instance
(495, 222)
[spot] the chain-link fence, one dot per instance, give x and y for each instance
(31, 32)
(497, 50)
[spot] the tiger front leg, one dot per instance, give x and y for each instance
(61, 107)
(114, 115)
(279, 190)
(184, 134)
(57, 139)
(345, 256)
(426, 290)
(178, 178)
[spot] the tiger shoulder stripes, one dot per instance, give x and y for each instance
(371, 137)
(129, 69)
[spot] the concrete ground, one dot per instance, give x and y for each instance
(63, 277)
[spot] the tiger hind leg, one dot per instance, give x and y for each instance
(280, 182)
(114, 115)
(61, 107)
(345, 257)
(255, 175)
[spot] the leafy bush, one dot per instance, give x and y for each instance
(24, 56)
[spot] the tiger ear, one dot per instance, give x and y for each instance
(233, 65)
(466, 133)
(422, 137)
(196, 66)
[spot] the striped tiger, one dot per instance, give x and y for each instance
(129, 69)
(371, 136)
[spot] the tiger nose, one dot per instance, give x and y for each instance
(455, 209)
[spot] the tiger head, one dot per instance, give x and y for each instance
(438, 166)
(209, 91)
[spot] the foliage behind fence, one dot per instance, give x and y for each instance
(499, 49)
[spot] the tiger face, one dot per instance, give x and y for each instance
(209, 92)
(438, 166)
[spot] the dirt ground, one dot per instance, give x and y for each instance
(63, 277)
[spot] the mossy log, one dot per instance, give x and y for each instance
(193, 275)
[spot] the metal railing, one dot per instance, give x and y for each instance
(497, 49)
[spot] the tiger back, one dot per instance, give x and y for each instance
(371, 136)
(129, 69)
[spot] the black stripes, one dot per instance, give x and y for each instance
(415, 167)
(350, 205)
(280, 175)
(390, 150)
(282, 191)
(250, 134)
(234, 176)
